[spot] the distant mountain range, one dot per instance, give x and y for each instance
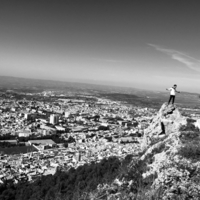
(114, 92)
(15, 83)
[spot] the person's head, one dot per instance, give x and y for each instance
(175, 86)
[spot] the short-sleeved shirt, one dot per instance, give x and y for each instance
(172, 91)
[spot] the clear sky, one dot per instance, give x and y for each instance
(149, 44)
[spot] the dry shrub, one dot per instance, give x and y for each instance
(190, 150)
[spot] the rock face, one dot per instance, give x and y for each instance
(167, 121)
(172, 155)
(169, 166)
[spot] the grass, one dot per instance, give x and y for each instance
(190, 150)
(190, 137)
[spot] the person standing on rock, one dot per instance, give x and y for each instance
(172, 94)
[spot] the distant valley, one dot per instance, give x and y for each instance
(131, 96)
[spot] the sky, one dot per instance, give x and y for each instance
(133, 43)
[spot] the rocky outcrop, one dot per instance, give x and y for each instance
(169, 166)
(167, 121)
(171, 145)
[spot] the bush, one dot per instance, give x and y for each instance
(69, 185)
(190, 150)
(189, 126)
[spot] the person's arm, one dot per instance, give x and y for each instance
(168, 88)
(178, 91)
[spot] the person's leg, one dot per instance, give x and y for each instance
(169, 99)
(173, 99)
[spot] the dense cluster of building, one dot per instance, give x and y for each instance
(94, 128)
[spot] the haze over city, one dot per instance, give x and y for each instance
(143, 44)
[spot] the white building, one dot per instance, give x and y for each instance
(60, 128)
(27, 116)
(53, 119)
(67, 114)
(24, 133)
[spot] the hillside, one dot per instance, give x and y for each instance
(169, 166)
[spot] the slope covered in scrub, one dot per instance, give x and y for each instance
(169, 166)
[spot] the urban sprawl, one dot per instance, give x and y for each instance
(89, 129)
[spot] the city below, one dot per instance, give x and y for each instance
(64, 132)
(44, 131)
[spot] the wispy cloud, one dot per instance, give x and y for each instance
(190, 62)
(107, 60)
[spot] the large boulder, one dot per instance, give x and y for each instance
(168, 120)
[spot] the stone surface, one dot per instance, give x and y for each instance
(164, 158)
(168, 120)
(165, 164)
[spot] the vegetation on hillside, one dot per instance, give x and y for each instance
(74, 184)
